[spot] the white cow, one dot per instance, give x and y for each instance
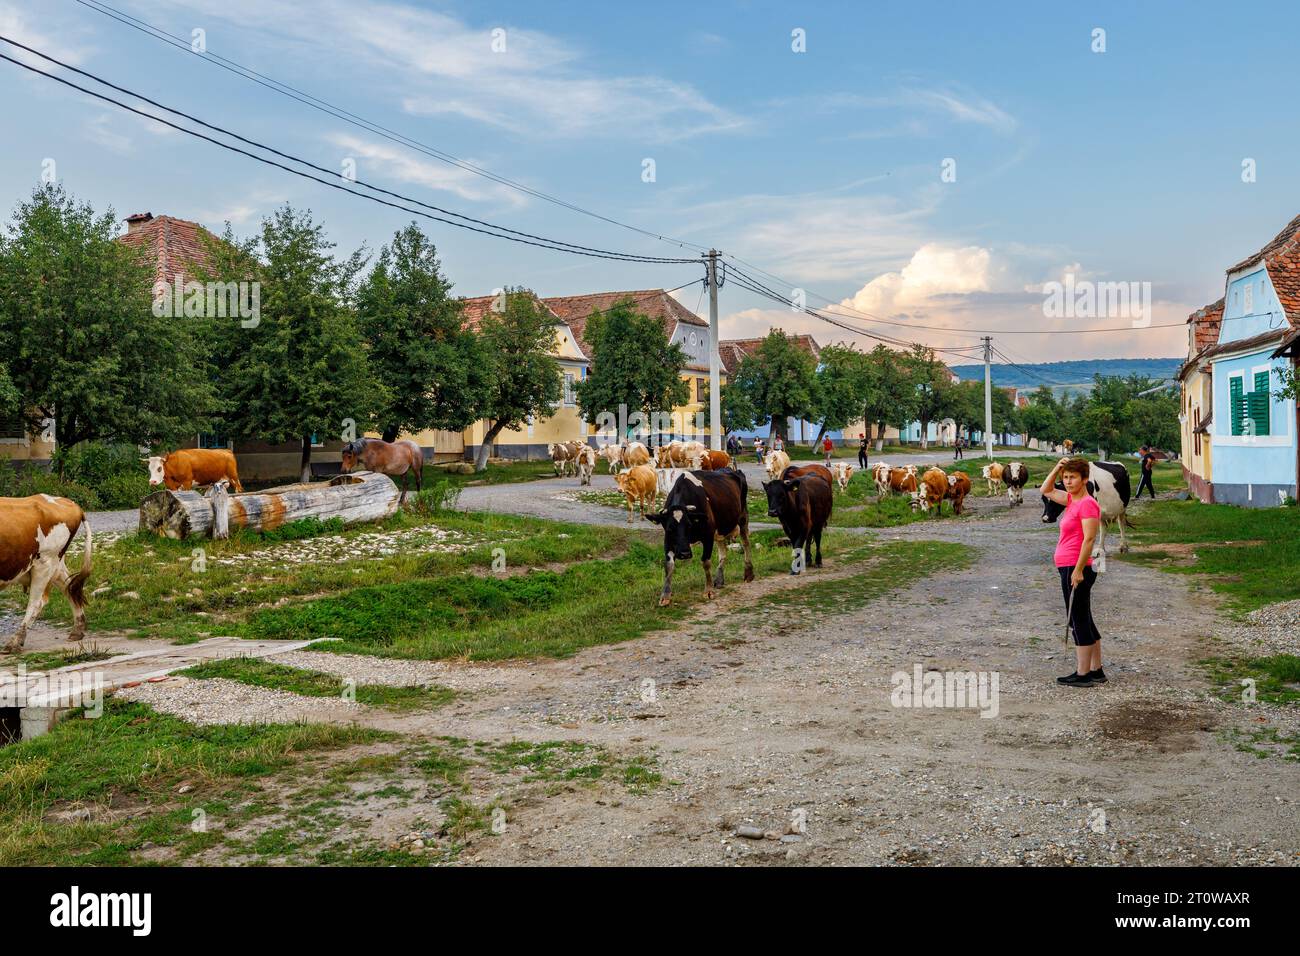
(880, 473)
(613, 455)
(842, 471)
(586, 462)
(776, 462)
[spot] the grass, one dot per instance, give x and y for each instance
(259, 672)
(1277, 678)
(1265, 742)
(132, 760)
(1251, 556)
(64, 657)
(188, 590)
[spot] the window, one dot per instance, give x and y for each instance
(1248, 304)
(1250, 410)
(218, 440)
(11, 425)
(570, 396)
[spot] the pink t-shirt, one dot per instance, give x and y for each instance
(1071, 521)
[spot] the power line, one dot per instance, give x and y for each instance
(491, 229)
(339, 112)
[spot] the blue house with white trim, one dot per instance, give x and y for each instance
(1256, 455)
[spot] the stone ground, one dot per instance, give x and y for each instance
(768, 718)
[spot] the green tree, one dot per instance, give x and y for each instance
(9, 398)
(1042, 418)
(841, 388)
(889, 392)
(82, 344)
(967, 406)
(934, 389)
(633, 365)
(434, 369)
(525, 379)
(779, 380)
(303, 370)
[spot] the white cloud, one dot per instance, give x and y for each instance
(398, 163)
(934, 269)
(21, 26)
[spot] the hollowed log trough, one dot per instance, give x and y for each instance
(356, 498)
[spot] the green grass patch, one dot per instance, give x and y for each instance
(1249, 555)
(134, 758)
(65, 657)
(259, 672)
(1277, 678)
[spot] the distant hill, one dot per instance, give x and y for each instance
(1077, 375)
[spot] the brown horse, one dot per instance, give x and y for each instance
(394, 459)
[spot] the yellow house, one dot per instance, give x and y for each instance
(1196, 415)
(682, 326)
(17, 445)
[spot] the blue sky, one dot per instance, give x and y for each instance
(823, 167)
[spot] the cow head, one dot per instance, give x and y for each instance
(156, 470)
(676, 520)
(1051, 509)
(779, 493)
(920, 502)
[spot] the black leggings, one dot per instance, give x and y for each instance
(1145, 483)
(862, 459)
(1081, 623)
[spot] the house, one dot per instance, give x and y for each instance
(682, 326)
(1197, 399)
(1252, 431)
(734, 351)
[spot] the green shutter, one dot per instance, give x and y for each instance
(1258, 404)
(1238, 403)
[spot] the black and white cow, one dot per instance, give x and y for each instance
(705, 508)
(1016, 476)
(1108, 482)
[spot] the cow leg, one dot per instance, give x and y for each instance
(629, 509)
(1123, 545)
(61, 581)
(818, 535)
(706, 559)
(722, 560)
(797, 561)
(744, 540)
(666, 596)
(38, 594)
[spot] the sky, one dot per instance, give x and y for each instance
(929, 165)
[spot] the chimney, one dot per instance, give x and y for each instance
(135, 222)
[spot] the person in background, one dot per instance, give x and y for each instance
(758, 448)
(828, 446)
(862, 451)
(1079, 523)
(957, 447)
(1147, 465)
(778, 443)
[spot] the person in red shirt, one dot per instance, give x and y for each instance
(828, 446)
(1080, 523)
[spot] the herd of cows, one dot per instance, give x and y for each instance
(706, 502)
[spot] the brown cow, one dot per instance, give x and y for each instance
(821, 471)
(958, 489)
(638, 485)
(563, 455)
(992, 473)
(182, 470)
(707, 508)
(931, 491)
(635, 453)
(713, 460)
(802, 499)
(35, 534)
(903, 480)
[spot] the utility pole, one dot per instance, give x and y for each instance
(715, 360)
(988, 395)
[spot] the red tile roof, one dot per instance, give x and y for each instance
(1281, 256)
(656, 303)
(173, 245)
(733, 351)
(1205, 323)
(475, 308)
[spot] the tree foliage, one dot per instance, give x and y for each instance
(81, 342)
(779, 382)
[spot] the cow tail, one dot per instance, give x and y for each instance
(77, 584)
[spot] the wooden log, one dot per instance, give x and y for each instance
(356, 498)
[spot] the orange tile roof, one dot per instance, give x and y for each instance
(1205, 323)
(1281, 257)
(174, 245)
(476, 308)
(656, 303)
(733, 351)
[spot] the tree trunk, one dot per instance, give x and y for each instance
(925, 434)
(355, 498)
(480, 460)
(880, 439)
(817, 442)
(304, 470)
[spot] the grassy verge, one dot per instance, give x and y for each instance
(1250, 556)
(185, 591)
(258, 672)
(1276, 679)
(128, 765)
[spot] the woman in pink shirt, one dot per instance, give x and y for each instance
(1079, 523)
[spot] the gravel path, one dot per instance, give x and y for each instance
(220, 701)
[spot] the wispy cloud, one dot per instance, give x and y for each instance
(920, 103)
(400, 164)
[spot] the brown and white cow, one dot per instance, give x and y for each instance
(775, 463)
(1016, 476)
(586, 462)
(880, 472)
(639, 487)
(613, 455)
(958, 489)
(992, 473)
(904, 480)
(635, 453)
(182, 470)
(714, 460)
(931, 491)
(842, 471)
(564, 456)
(35, 534)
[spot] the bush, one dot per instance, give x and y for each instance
(441, 496)
(122, 492)
(36, 481)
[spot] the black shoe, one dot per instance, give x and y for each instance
(1098, 676)
(1076, 680)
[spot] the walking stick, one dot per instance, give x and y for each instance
(1069, 615)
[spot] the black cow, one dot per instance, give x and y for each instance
(802, 499)
(1016, 476)
(1108, 482)
(703, 507)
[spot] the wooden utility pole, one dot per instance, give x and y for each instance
(715, 359)
(988, 395)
